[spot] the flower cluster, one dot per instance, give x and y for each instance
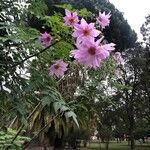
(90, 50)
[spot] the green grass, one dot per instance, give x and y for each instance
(117, 146)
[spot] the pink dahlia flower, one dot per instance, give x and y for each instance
(117, 56)
(45, 39)
(109, 47)
(85, 32)
(103, 19)
(90, 54)
(58, 68)
(71, 18)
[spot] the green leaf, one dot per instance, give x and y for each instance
(57, 106)
(75, 120)
(70, 114)
(46, 101)
(64, 108)
(73, 115)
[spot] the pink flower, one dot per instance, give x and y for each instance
(90, 54)
(109, 47)
(117, 56)
(45, 39)
(58, 68)
(85, 32)
(71, 18)
(103, 19)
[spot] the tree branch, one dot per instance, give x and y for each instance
(36, 54)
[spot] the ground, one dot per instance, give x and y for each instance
(118, 146)
(112, 146)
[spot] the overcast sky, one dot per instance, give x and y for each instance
(134, 11)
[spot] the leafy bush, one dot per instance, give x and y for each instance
(6, 137)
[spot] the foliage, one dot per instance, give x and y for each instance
(6, 138)
(19, 76)
(90, 99)
(145, 29)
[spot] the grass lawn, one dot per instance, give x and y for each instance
(117, 146)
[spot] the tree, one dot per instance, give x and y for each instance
(119, 30)
(132, 96)
(29, 94)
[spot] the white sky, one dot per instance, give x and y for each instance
(134, 11)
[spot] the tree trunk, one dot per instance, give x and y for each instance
(131, 132)
(128, 142)
(84, 143)
(143, 139)
(132, 146)
(130, 114)
(107, 144)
